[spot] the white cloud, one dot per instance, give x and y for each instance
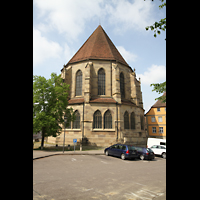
(69, 17)
(127, 55)
(136, 14)
(154, 74)
(44, 49)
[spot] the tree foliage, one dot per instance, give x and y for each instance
(160, 88)
(158, 26)
(50, 101)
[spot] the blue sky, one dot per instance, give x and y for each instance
(60, 27)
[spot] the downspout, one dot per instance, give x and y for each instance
(81, 143)
(83, 122)
(117, 120)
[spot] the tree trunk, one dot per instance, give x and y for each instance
(42, 142)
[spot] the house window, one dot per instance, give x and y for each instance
(153, 129)
(153, 119)
(159, 119)
(126, 120)
(132, 120)
(76, 123)
(122, 85)
(107, 119)
(160, 129)
(158, 109)
(79, 83)
(97, 119)
(101, 82)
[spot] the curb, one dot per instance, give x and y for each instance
(68, 154)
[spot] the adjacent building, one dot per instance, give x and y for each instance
(104, 94)
(156, 120)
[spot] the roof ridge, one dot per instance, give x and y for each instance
(98, 46)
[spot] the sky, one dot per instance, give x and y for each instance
(60, 27)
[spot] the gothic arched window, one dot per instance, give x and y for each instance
(101, 82)
(142, 122)
(76, 123)
(79, 83)
(107, 119)
(122, 85)
(132, 120)
(126, 120)
(97, 119)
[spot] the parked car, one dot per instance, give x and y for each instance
(122, 150)
(145, 153)
(159, 150)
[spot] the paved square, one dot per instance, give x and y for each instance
(98, 177)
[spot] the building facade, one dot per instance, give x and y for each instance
(156, 120)
(104, 94)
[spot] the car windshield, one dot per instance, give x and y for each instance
(131, 147)
(149, 150)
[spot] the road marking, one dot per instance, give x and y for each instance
(88, 189)
(73, 159)
(140, 184)
(137, 195)
(104, 162)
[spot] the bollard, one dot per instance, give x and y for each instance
(80, 147)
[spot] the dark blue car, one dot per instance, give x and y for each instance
(122, 150)
(145, 153)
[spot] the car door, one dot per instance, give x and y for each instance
(112, 150)
(118, 150)
(155, 149)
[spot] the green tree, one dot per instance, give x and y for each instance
(157, 27)
(50, 101)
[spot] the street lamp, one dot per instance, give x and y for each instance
(65, 121)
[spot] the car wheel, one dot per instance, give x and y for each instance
(107, 153)
(141, 157)
(164, 155)
(123, 157)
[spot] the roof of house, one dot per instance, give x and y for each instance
(158, 104)
(98, 46)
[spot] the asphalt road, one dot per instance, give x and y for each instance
(98, 177)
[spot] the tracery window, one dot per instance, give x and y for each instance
(107, 120)
(132, 120)
(122, 85)
(101, 82)
(97, 120)
(79, 83)
(76, 123)
(126, 120)
(142, 122)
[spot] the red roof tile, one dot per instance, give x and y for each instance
(75, 101)
(159, 103)
(98, 46)
(127, 102)
(102, 100)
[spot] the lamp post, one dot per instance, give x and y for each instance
(65, 121)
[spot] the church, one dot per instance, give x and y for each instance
(105, 96)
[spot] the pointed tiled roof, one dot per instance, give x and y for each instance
(159, 103)
(98, 46)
